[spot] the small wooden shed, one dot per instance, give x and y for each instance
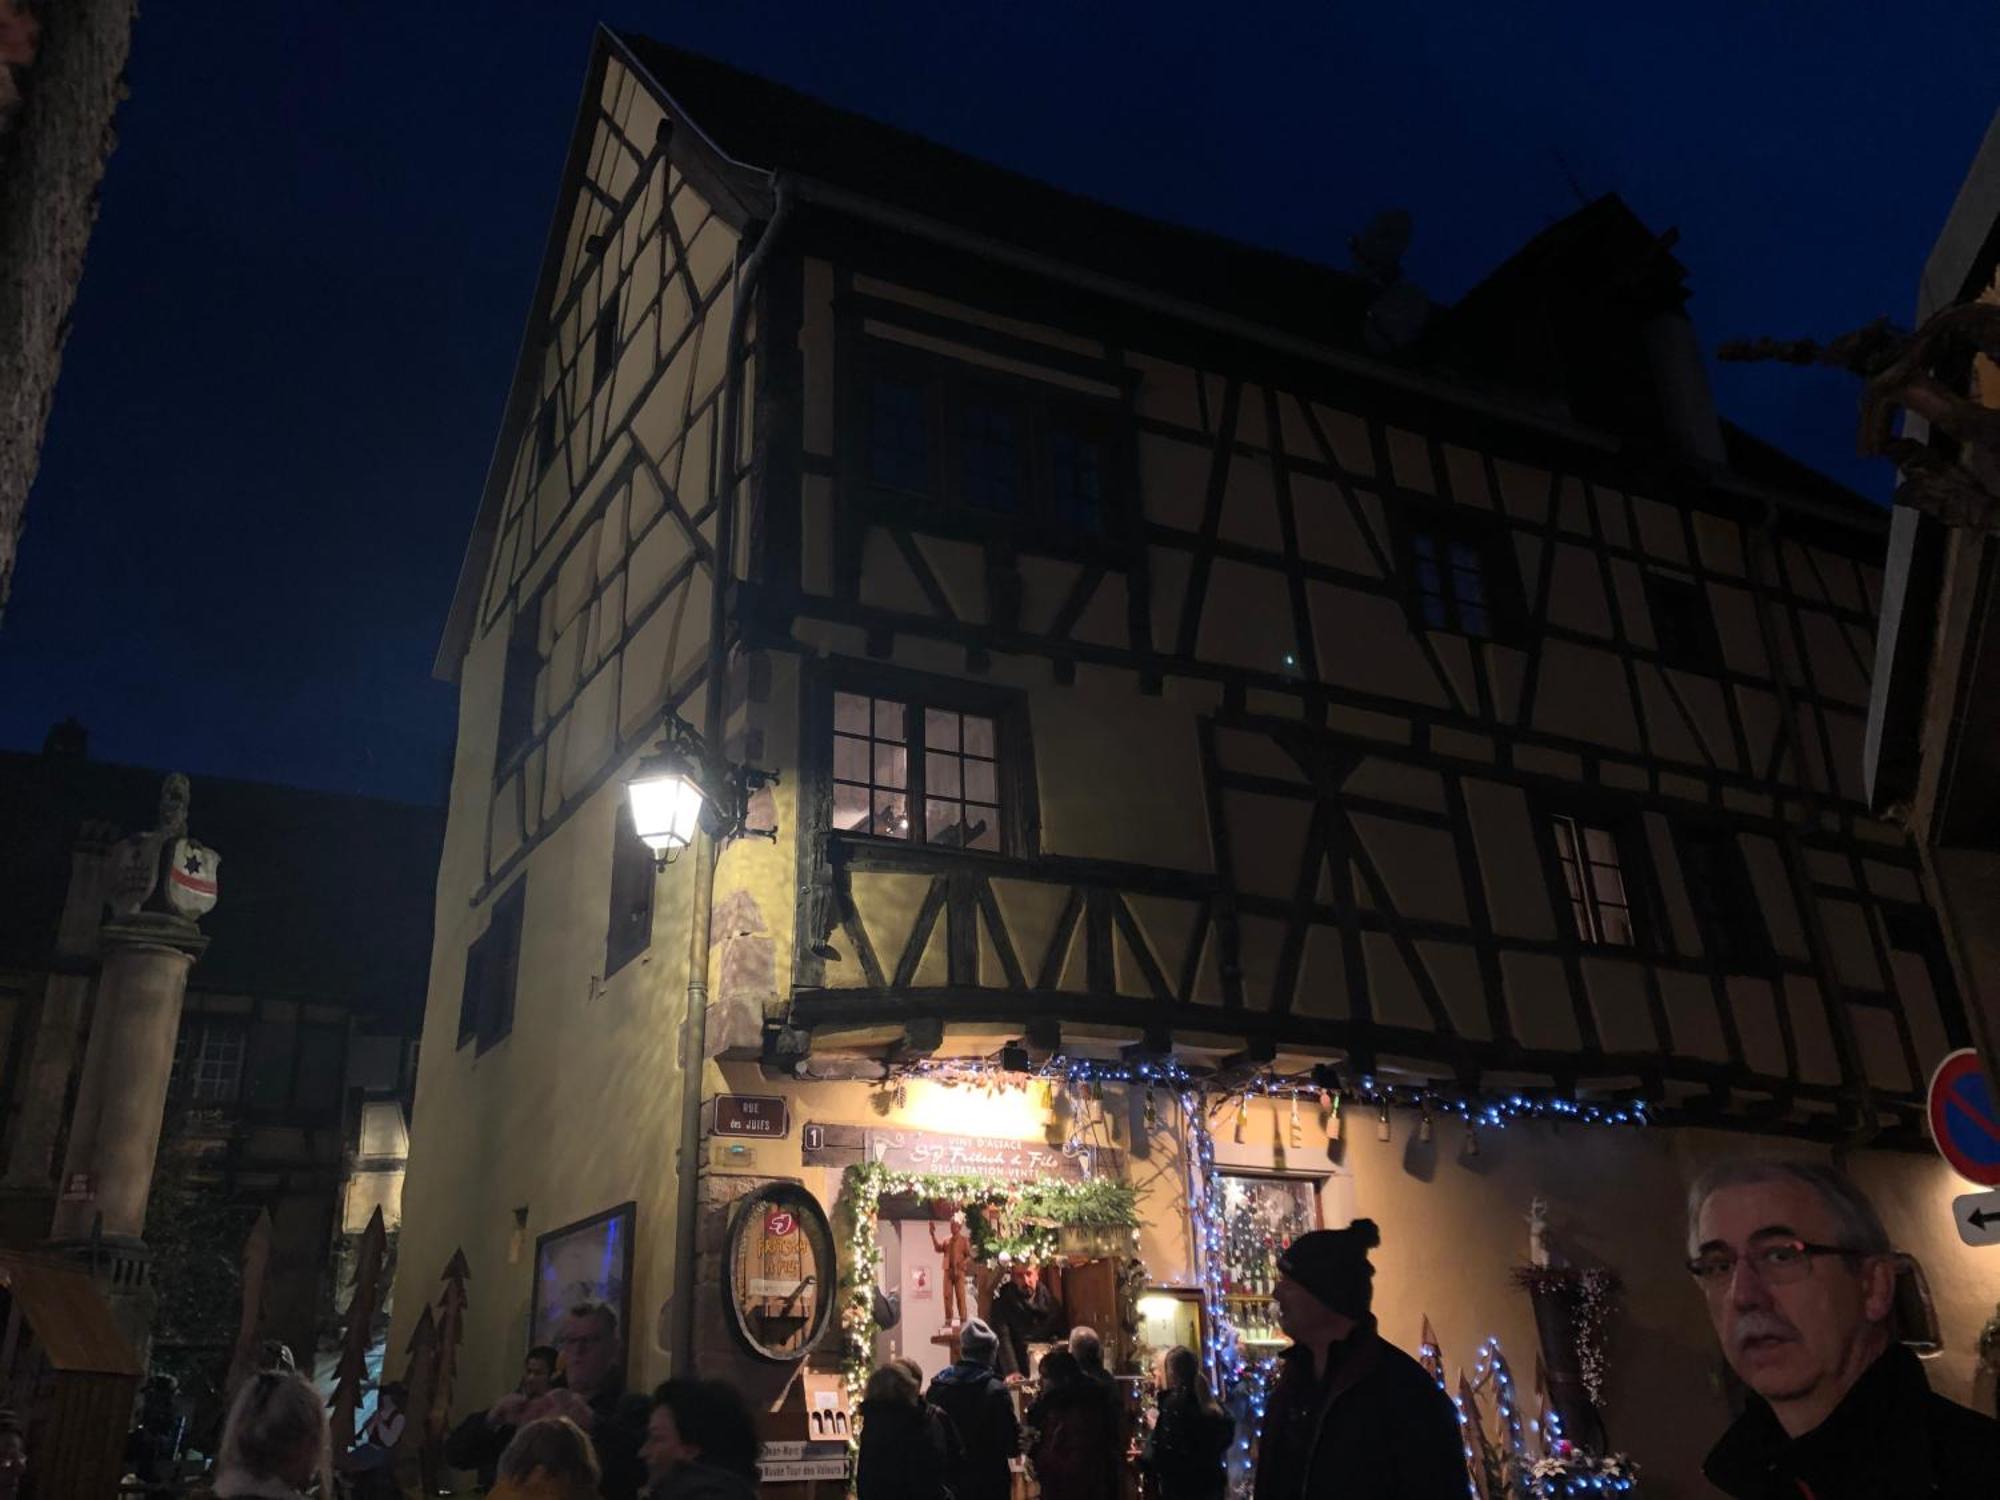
(69, 1374)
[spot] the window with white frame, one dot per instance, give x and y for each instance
(208, 1061)
(1599, 902)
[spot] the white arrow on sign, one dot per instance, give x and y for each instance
(1978, 1217)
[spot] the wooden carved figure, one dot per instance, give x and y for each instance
(955, 1253)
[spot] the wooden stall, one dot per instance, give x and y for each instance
(69, 1374)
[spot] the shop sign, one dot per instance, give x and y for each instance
(974, 1156)
(750, 1114)
(795, 1462)
(1978, 1218)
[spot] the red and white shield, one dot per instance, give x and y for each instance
(191, 874)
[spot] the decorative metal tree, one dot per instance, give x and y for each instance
(415, 1465)
(351, 1374)
(450, 1330)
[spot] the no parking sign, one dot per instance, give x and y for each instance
(1965, 1118)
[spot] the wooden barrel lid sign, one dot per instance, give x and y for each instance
(780, 1289)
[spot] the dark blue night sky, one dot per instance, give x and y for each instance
(322, 225)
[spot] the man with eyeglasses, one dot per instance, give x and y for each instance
(593, 1396)
(1801, 1287)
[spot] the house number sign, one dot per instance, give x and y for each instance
(750, 1114)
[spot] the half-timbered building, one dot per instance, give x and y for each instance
(1168, 652)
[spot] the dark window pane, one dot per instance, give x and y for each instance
(899, 438)
(888, 720)
(1434, 615)
(941, 775)
(1473, 620)
(892, 818)
(1075, 480)
(545, 437)
(628, 929)
(941, 823)
(1424, 548)
(940, 729)
(850, 713)
(983, 827)
(517, 688)
(990, 454)
(850, 758)
(979, 781)
(607, 340)
(891, 766)
(850, 808)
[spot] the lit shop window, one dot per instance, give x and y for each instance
(1598, 901)
(906, 771)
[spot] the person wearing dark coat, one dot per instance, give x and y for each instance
(1025, 1311)
(477, 1442)
(1075, 1446)
(981, 1409)
(1800, 1280)
(1350, 1414)
(908, 1446)
(1187, 1451)
(700, 1443)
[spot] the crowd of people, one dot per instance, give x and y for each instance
(1793, 1261)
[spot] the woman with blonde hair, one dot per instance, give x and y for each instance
(549, 1459)
(274, 1444)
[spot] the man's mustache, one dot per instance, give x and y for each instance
(1760, 1325)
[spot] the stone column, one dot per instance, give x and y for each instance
(122, 1096)
(159, 882)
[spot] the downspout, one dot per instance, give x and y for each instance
(694, 1024)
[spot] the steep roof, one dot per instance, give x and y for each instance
(323, 897)
(776, 128)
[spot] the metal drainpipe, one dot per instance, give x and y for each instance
(694, 1024)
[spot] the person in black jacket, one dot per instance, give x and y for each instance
(1350, 1414)
(1074, 1440)
(908, 1446)
(1801, 1287)
(477, 1442)
(1188, 1447)
(980, 1407)
(701, 1443)
(593, 1395)
(1027, 1312)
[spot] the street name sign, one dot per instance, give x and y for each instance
(1977, 1216)
(1965, 1118)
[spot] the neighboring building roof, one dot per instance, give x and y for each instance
(323, 897)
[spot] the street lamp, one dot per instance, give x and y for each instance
(681, 789)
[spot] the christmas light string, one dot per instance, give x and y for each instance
(1475, 1110)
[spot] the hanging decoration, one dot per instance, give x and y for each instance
(1000, 1218)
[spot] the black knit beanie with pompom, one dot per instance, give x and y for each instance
(1333, 1265)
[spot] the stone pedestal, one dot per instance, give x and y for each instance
(107, 1173)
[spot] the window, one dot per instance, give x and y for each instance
(517, 689)
(606, 341)
(545, 437)
(1724, 901)
(1076, 479)
(1449, 574)
(208, 1061)
(1682, 623)
(633, 870)
(1598, 901)
(492, 969)
(892, 757)
(990, 448)
(899, 434)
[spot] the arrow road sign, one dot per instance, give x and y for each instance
(1978, 1218)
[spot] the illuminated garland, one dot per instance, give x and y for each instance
(1477, 1111)
(1098, 1203)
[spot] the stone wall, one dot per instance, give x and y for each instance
(53, 147)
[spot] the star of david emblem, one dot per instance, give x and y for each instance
(193, 865)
